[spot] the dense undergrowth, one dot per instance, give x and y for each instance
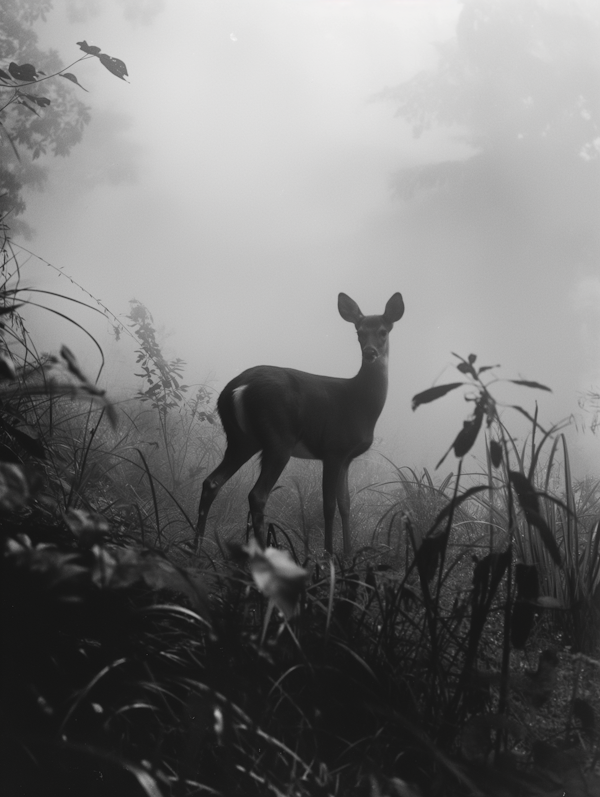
(455, 653)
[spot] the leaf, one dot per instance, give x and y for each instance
(41, 101)
(7, 367)
(526, 493)
(90, 49)
(14, 489)
(528, 500)
(9, 308)
(4, 75)
(114, 65)
(496, 453)
(73, 78)
(487, 575)
(467, 436)
(72, 363)
(527, 383)
(277, 576)
(528, 416)
(29, 108)
(433, 393)
(487, 368)
(25, 72)
(90, 528)
(428, 556)
(467, 368)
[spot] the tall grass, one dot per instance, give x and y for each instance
(395, 671)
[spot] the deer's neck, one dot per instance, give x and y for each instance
(369, 387)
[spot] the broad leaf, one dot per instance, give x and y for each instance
(496, 453)
(467, 436)
(487, 576)
(434, 393)
(428, 556)
(277, 576)
(467, 368)
(73, 78)
(25, 72)
(90, 49)
(114, 65)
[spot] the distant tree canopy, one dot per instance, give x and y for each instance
(26, 130)
(521, 79)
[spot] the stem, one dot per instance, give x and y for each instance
(503, 697)
(24, 83)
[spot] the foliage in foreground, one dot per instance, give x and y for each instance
(124, 672)
(429, 664)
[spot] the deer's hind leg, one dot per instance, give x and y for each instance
(235, 456)
(274, 460)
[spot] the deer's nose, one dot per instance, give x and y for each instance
(370, 353)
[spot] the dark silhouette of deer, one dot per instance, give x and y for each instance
(286, 413)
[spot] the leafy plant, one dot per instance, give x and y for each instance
(37, 112)
(165, 393)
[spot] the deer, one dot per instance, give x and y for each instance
(283, 413)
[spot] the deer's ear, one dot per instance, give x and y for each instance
(394, 309)
(349, 310)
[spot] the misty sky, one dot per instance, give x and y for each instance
(242, 178)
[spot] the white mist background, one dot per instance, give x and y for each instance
(241, 179)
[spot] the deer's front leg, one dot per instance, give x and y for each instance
(331, 474)
(343, 501)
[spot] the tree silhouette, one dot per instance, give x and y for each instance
(520, 83)
(30, 129)
(39, 112)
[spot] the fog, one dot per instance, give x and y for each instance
(248, 172)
